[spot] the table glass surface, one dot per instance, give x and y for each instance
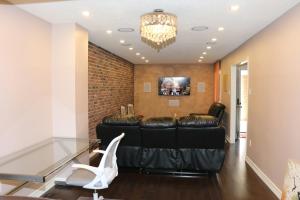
(36, 162)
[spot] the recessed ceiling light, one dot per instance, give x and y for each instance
(143, 58)
(86, 13)
(122, 41)
(214, 39)
(137, 54)
(211, 43)
(199, 60)
(199, 28)
(126, 30)
(146, 61)
(204, 53)
(201, 57)
(130, 48)
(109, 31)
(234, 7)
(208, 47)
(221, 28)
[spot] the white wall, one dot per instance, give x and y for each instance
(82, 124)
(274, 57)
(63, 80)
(43, 80)
(70, 81)
(25, 79)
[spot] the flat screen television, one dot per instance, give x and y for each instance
(174, 86)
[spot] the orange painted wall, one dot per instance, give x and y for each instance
(151, 104)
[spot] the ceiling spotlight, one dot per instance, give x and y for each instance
(199, 60)
(208, 47)
(126, 30)
(130, 48)
(204, 53)
(234, 7)
(201, 57)
(137, 54)
(86, 13)
(109, 31)
(122, 41)
(221, 28)
(143, 58)
(146, 61)
(199, 28)
(214, 39)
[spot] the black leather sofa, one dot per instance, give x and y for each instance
(159, 142)
(200, 143)
(216, 110)
(130, 147)
(191, 143)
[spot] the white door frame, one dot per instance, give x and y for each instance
(233, 76)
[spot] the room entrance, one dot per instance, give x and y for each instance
(241, 100)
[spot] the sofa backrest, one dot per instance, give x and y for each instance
(216, 109)
(122, 120)
(159, 122)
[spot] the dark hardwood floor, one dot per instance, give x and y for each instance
(236, 181)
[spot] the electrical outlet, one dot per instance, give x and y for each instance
(250, 143)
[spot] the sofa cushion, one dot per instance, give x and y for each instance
(159, 122)
(198, 121)
(122, 120)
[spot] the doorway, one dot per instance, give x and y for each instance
(242, 79)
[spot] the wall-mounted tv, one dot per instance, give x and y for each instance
(174, 86)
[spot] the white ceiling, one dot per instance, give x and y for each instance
(252, 17)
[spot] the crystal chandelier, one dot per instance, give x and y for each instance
(158, 29)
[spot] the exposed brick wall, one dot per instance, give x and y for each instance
(110, 85)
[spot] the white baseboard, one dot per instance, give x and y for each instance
(264, 177)
(228, 140)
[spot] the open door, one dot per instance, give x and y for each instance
(241, 100)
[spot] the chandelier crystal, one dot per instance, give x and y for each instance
(158, 29)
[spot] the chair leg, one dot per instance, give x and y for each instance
(95, 196)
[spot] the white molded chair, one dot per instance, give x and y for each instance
(100, 177)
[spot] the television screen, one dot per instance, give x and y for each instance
(174, 86)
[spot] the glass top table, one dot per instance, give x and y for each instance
(37, 162)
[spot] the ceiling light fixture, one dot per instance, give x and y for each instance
(208, 47)
(122, 41)
(221, 28)
(109, 31)
(146, 61)
(143, 58)
(86, 13)
(199, 60)
(201, 57)
(204, 53)
(130, 48)
(137, 54)
(214, 39)
(158, 29)
(234, 7)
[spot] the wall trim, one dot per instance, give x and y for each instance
(264, 177)
(228, 140)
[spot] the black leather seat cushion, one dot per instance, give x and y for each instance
(159, 122)
(122, 120)
(198, 121)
